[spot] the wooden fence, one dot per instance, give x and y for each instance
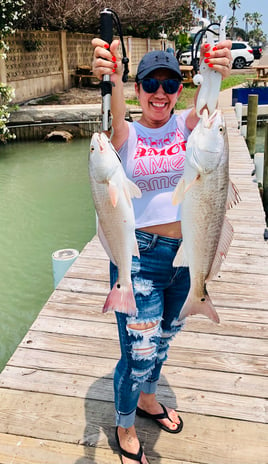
(41, 63)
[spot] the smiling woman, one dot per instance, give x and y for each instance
(152, 151)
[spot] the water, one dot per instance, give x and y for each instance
(45, 205)
(259, 148)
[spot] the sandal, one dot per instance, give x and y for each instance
(155, 417)
(126, 454)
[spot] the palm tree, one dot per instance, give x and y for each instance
(234, 4)
(248, 20)
(256, 20)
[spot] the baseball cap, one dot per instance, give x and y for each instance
(155, 60)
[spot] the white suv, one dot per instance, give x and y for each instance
(242, 54)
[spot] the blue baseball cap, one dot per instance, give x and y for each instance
(155, 60)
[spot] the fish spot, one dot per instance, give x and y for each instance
(203, 299)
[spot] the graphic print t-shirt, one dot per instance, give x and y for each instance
(154, 160)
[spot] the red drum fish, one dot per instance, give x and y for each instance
(205, 192)
(112, 192)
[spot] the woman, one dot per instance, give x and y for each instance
(152, 151)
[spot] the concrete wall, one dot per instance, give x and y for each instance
(41, 63)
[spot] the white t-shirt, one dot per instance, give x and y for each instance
(154, 160)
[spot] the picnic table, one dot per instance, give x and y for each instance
(187, 73)
(262, 74)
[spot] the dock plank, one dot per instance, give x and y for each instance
(57, 388)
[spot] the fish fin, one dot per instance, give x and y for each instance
(136, 251)
(121, 299)
(104, 243)
(113, 193)
(233, 196)
(134, 190)
(127, 194)
(225, 240)
(178, 193)
(204, 306)
(180, 259)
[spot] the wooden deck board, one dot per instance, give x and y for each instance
(57, 389)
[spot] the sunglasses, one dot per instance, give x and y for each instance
(151, 85)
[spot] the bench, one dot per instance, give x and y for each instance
(84, 74)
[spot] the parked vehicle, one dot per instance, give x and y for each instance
(257, 52)
(242, 54)
(186, 57)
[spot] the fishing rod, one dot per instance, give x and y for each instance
(197, 42)
(107, 18)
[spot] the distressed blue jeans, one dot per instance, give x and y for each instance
(160, 291)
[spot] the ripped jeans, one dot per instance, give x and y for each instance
(160, 291)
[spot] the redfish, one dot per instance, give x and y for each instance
(205, 192)
(112, 192)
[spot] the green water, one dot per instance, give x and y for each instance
(45, 205)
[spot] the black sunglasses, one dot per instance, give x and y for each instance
(151, 85)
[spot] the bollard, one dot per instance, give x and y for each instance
(258, 162)
(61, 261)
(238, 112)
(265, 174)
(252, 123)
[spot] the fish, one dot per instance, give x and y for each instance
(205, 193)
(112, 192)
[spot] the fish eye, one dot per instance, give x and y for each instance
(222, 129)
(91, 149)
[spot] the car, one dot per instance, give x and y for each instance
(186, 57)
(257, 52)
(242, 54)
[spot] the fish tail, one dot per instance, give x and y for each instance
(121, 299)
(203, 306)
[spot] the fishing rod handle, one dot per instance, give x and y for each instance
(106, 32)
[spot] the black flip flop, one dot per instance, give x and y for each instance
(126, 454)
(163, 415)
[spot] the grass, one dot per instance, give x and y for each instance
(186, 99)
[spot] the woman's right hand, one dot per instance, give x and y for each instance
(106, 59)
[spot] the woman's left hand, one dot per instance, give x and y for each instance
(218, 57)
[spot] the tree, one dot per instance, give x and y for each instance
(10, 11)
(257, 34)
(233, 5)
(139, 17)
(248, 20)
(206, 8)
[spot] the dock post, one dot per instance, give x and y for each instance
(265, 174)
(238, 112)
(252, 123)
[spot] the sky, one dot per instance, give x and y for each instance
(246, 6)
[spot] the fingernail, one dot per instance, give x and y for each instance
(207, 55)
(113, 70)
(210, 65)
(214, 48)
(206, 60)
(106, 46)
(115, 66)
(113, 59)
(207, 46)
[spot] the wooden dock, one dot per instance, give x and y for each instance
(57, 390)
